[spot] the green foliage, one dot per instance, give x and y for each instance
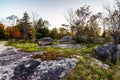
(23, 25)
(86, 71)
(54, 33)
(27, 47)
(42, 28)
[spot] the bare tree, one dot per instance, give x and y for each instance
(78, 19)
(34, 17)
(93, 25)
(12, 20)
(113, 22)
(70, 18)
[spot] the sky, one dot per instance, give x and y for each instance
(53, 11)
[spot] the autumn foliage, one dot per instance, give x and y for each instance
(1, 31)
(16, 33)
(12, 32)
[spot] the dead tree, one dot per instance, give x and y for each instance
(113, 22)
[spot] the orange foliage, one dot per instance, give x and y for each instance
(69, 33)
(17, 34)
(1, 25)
(12, 32)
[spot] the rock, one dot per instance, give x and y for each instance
(45, 41)
(54, 70)
(100, 64)
(15, 65)
(67, 39)
(24, 70)
(107, 51)
(69, 46)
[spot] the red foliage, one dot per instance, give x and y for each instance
(17, 34)
(12, 32)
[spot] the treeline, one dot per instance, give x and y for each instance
(26, 30)
(83, 25)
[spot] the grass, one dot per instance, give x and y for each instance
(50, 53)
(83, 70)
(26, 47)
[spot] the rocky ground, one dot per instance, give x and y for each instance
(15, 65)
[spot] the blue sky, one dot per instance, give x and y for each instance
(52, 10)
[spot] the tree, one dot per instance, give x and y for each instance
(12, 33)
(2, 33)
(92, 25)
(16, 33)
(83, 25)
(54, 33)
(34, 18)
(42, 28)
(62, 32)
(113, 22)
(78, 19)
(11, 20)
(24, 25)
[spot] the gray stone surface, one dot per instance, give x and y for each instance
(15, 65)
(107, 51)
(45, 41)
(70, 46)
(67, 39)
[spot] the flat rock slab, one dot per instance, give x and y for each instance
(70, 46)
(15, 65)
(64, 46)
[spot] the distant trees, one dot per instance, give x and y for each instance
(11, 20)
(12, 32)
(82, 23)
(54, 33)
(2, 31)
(42, 28)
(62, 32)
(93, 26)
(16, 33)
(25, 26)
(34, 17)
(78, 19)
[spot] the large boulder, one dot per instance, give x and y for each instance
(45, 41)
(107, 51)
(15, 65)
(67, 39)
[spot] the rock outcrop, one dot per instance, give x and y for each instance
(70, 46)
(15, 65)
